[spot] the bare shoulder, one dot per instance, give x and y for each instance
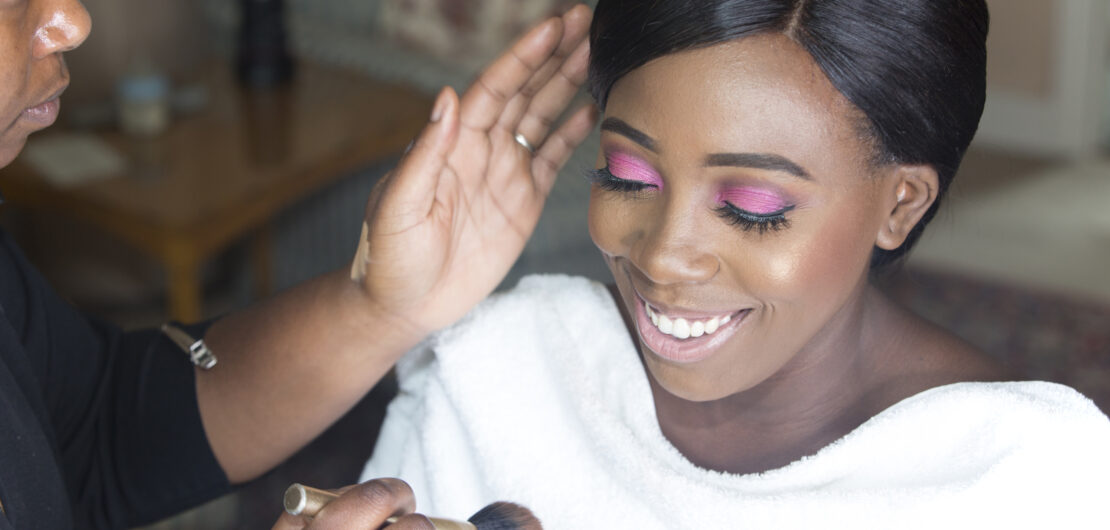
(921, 355)
(954, 358)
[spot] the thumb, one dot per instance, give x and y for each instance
(290, 522)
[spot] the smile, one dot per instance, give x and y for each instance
(681, 328)
(684, 338)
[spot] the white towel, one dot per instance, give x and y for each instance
(538, 397)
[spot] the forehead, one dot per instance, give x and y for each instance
(762, 93)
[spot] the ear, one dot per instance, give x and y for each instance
(908, 193)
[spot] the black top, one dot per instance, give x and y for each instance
(98, 428)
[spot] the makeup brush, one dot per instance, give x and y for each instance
(308, 501)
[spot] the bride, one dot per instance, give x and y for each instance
(760, 161)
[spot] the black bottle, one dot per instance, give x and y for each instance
(263, 59)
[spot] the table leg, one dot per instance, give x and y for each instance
(184, 290)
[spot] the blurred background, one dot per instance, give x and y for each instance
(212, 152)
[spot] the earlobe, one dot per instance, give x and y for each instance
(912, 190)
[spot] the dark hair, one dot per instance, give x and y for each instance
(915, 68)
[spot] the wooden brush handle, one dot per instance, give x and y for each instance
(441, 524)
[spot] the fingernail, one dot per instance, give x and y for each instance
(441, 106)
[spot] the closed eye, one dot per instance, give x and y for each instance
(609, 182)
(745, 220)
(748, 221)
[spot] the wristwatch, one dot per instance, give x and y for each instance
(196, 349)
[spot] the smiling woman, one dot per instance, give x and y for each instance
(106, 428)
(760, 161)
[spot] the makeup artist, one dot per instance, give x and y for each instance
(106, 429)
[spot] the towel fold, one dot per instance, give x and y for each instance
(538, 397)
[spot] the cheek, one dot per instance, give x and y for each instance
(821, 258)
(13, 134)
(835, 258)
(15, 56)
(611, 223)
(14, 77)
(599, 221)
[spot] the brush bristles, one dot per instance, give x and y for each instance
(505, 516)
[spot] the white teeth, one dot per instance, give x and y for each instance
(680, 328)
(712, 325)
(697, 329)
(665, 324)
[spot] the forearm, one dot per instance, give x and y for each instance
(289, 367)
(442, 228)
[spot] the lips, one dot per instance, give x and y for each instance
(46, 112)
(685, 337)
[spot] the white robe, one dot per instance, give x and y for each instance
(538, 397)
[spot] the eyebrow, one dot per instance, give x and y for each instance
(758, 161)
(766, 161)
(620, 127)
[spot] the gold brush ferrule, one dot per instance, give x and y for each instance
(308, 501)
(305, 500)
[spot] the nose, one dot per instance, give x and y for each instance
(673, 251)
(63, 26)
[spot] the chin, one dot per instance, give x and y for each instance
(10, 149)
(689, 384)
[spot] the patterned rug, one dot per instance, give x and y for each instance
(1039, 335)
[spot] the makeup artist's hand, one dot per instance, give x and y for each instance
(365, 505)
(445, 226)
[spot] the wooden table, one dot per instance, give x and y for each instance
(221, 175)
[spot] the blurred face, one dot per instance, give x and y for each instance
(737, 210)
(33, 35)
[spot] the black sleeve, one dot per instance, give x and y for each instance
(122, 406)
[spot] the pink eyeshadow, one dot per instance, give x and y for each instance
(628, 167)
(754, 200)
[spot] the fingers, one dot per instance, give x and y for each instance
(410, 192)
(367, 505)
(557, 149)
(551, 85)
(290, 522)
(553, 98)
(483, 103)
(412, 521)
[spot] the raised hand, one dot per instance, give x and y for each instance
(445, 226)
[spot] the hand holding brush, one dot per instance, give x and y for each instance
(387, 503)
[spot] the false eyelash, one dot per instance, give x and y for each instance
(743, 219)
(748, 221)
(609, 182)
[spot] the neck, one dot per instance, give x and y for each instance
(820, 395)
